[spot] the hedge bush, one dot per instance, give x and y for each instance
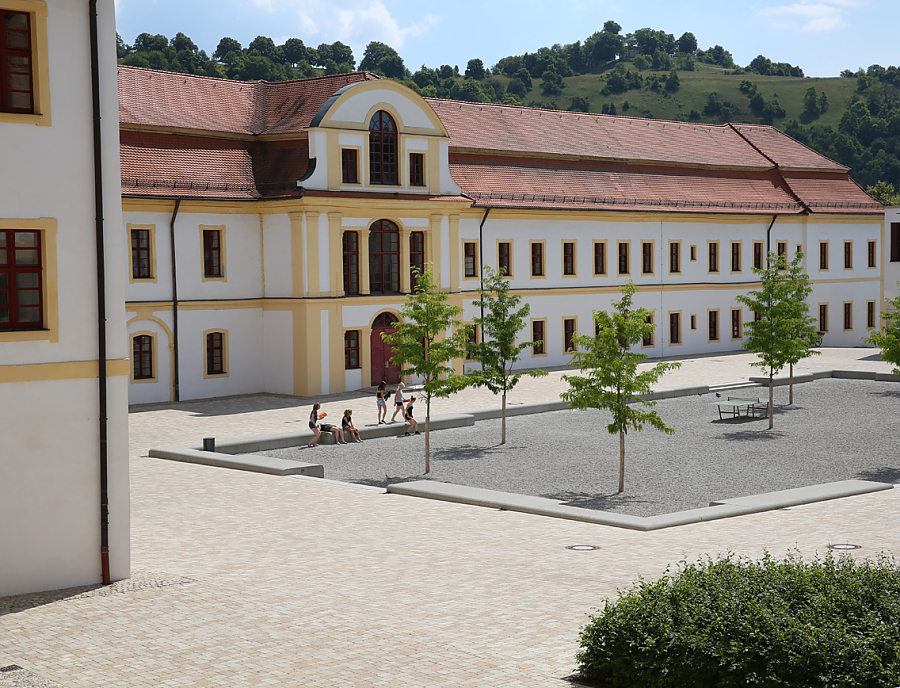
(733, 622)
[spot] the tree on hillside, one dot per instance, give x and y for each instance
(784, 332)
(146, 43)
(498, 352)
(382, 58)
(475, 69)
(611, 27)
(227, 46)
(884, 192)
(687, 43)
(423, 348)
(888, 337)
(610, 379)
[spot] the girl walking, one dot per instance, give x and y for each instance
(398, 403)
(411, 423)
(381, 397)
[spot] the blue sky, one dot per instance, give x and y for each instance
(821, 36)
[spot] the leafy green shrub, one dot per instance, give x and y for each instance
(733, 622)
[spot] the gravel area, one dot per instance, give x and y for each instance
(835, 430)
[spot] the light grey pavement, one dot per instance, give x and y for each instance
(247, 579)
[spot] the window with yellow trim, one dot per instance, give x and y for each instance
(24, 78)
(28, 292)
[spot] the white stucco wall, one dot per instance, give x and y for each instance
(49, 418)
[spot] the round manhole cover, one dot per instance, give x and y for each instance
(582, 548)
(844, 546)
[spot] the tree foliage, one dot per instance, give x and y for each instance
(498, 352)
(888, 337)
(610, 379)
(784, 332)
(424, 349)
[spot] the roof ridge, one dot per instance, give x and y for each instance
(576, 114)
(370, 76)
(784, 133)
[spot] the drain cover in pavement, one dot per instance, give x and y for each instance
(582, 548)
(844, 546)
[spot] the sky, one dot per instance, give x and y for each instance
(823, 37)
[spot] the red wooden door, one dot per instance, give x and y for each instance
(382, 368)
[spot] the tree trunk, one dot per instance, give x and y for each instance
(503, 422)
(791, 387)
(771, 400)
(621, 461)
(427, 436)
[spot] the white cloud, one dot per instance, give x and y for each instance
(358, 22)
(816, 16)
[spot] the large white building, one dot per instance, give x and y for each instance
(297, 210)
(64, 515)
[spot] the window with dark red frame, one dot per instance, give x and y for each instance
(416, 257)
(735, 256)
(537, 336)
(568, 258)
(646, 258)
(417, 169)
(600, 258)
(647, 339)
(382, 149)
(140, 254)
(16, 84)
(870, 314)
(895, 242)
(871, 254)
(674, 258)
(351, 349)
(713, 326)
(537, 260)
(473, 341)
(212, 252)
(757, 255)
(384, 258)
(569, 334)
(503, 258)
(215, 353)
(736, 325)
(823, 317)
(823, 255)
(351, 262)
(624, 267)
(848, 316)
(21, 296)
(674, 328)
(349, 166)
(142, 357)
(713, 257)
(848, 255)
(470, 259)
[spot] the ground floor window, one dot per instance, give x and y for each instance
(674, 328)
(351, 349)
(215, 353)
(537, 336)
(142, 357)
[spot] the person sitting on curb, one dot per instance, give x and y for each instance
(398, 402)
(314, 425)
(335, 430)
(411, 423)
(347, 426)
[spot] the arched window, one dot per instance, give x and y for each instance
(142, 357)
(384, 257)
(382, 149)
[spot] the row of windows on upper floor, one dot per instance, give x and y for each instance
(384, 256)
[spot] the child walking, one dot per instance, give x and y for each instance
(411, 423)
(398, 402)
(381, 397)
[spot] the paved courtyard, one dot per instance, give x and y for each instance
(243, 579)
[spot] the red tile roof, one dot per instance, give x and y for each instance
(167, 99)
(534, 183)
(485, 127)
(831, 193)
(784, 151)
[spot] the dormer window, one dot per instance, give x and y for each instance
(383, 149)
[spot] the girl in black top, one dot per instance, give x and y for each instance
(381, 397)
(347, 426)
(314, 425)
(411, 423)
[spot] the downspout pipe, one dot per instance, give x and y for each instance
(769, 238)
(175, 376)
(481, 255)
(101, 296)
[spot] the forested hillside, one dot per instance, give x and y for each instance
(853, 118)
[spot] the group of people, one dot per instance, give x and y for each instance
(318, 427)
(402, 406)
(405, 407)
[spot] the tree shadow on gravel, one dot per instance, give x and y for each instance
(888, 394)
(752, 435)
(599, 502)
(388, 480)
(465, 452)
(885, 474)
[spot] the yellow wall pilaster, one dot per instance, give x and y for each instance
(365, 355)
(312, 251)
(297, 262)
(454, 253)
(364, 261)
(307, 350)
(433, 247)
(337, 380)
(404, 260)
(434, 166)
(334, 170)
(335, 254)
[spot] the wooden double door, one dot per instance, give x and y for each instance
(382, 352)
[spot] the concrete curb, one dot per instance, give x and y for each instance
(246, 462)
(725, 508)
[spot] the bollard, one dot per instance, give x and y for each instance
(209, 444)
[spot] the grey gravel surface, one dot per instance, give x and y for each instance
(835, 430)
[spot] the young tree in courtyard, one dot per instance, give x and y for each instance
(784, 332)
(497, 352)
(423, 348)
(611, 378)
(888, 338)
